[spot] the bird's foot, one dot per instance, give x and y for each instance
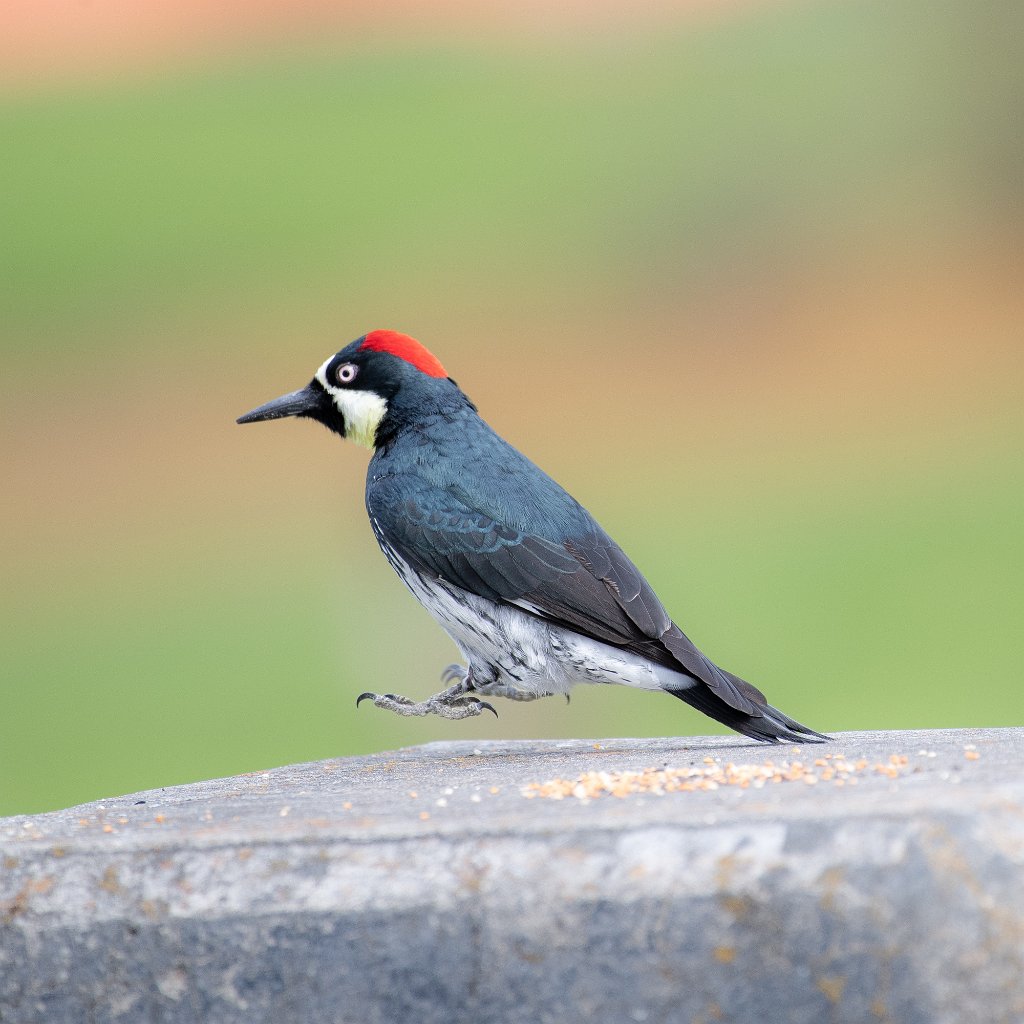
(454, 673)
(511, 693)
(447, 704)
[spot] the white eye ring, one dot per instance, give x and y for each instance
(346, 373)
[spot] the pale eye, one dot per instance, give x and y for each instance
(346, 373)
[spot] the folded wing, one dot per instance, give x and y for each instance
(585, 583)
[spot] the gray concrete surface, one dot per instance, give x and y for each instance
(330, 892)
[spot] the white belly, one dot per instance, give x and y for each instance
(503, 644)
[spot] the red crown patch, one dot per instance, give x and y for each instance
(406, 348)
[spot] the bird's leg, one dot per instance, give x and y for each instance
(455, 702)
(453, 672)
(510, 692)
(451, 703)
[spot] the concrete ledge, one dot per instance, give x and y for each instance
(328, 892)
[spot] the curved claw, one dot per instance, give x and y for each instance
(484, 704)
(365, 696)
(453, 672)
(568, 699)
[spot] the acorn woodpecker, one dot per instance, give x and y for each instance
(536, 596)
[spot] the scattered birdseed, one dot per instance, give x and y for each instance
(834, 768)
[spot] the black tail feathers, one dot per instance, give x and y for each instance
(764, 723)
(730, 700)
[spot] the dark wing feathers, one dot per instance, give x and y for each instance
(736, 692)
(438, 534)
(587, 584)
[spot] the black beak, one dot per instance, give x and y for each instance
(305, 402)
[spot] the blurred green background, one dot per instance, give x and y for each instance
(746, 278)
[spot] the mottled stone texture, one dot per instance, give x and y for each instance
(328, 892)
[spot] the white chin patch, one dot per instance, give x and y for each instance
(363, 411)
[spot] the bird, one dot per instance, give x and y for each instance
(536, 596)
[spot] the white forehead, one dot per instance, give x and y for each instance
(321, 374)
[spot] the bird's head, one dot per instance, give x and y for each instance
(381, 376)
